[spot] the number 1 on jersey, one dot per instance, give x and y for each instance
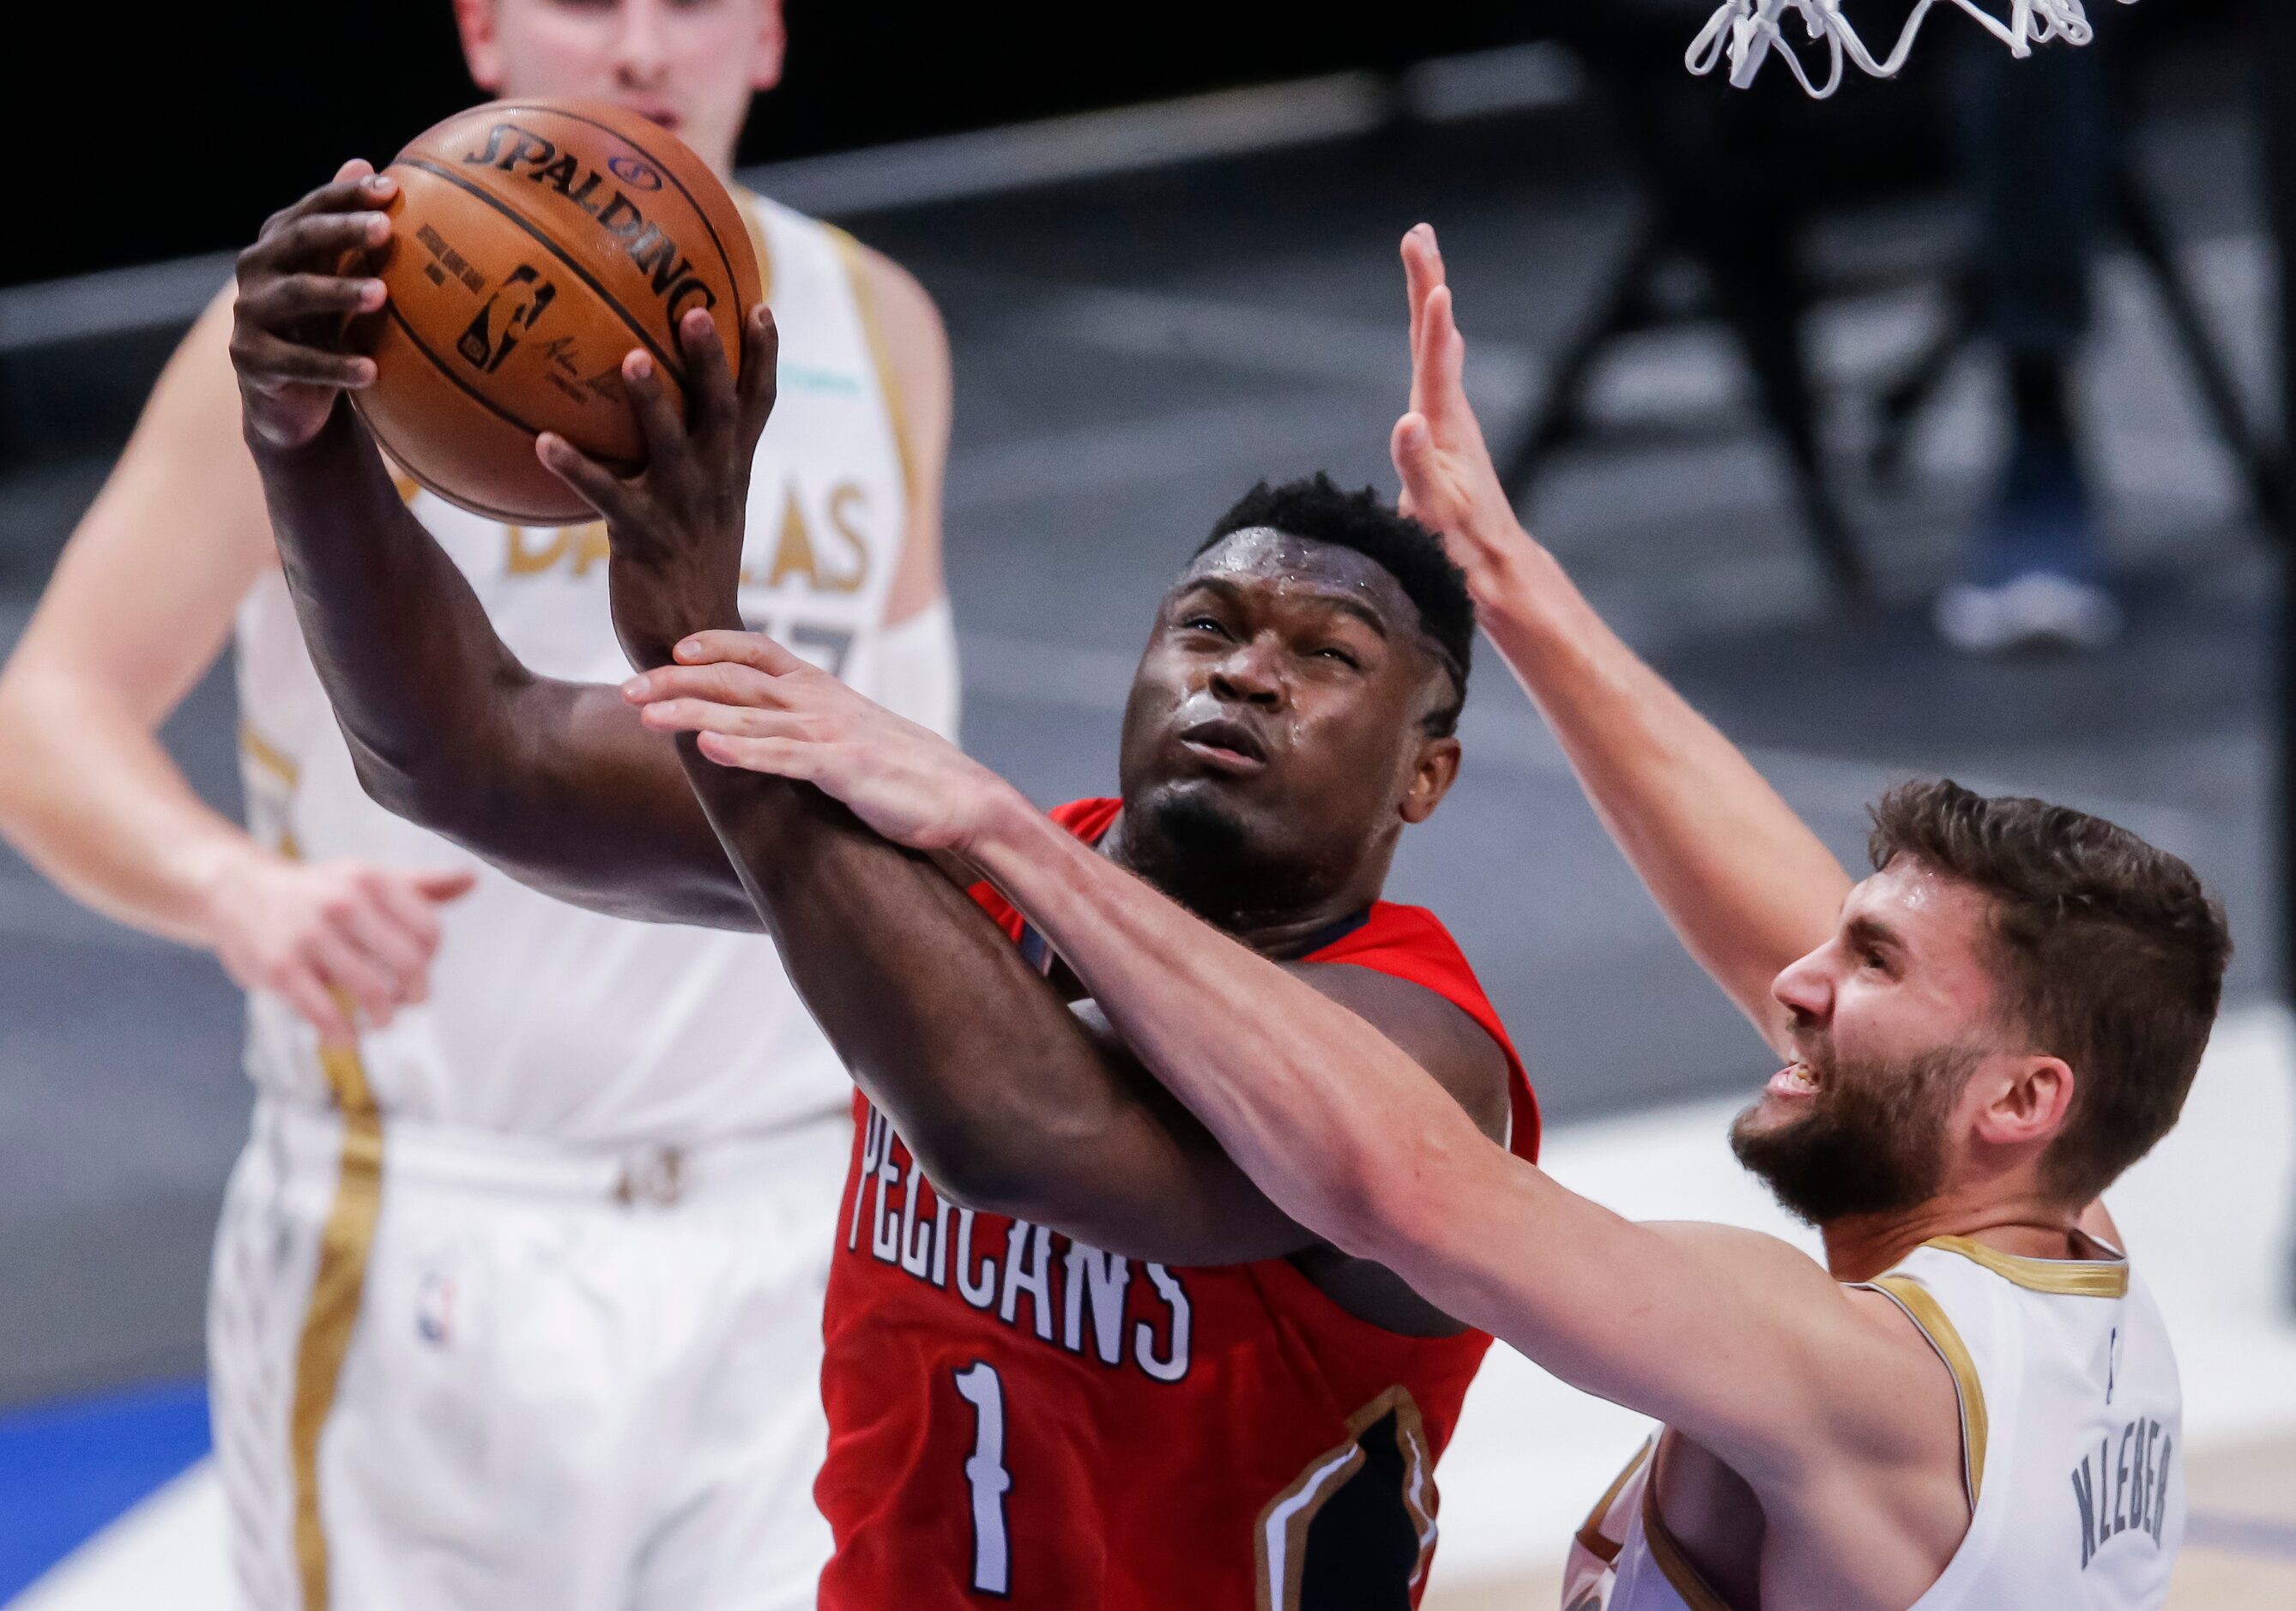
(992, 1560)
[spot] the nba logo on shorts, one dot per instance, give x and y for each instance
(434, 1309)
(481, 345)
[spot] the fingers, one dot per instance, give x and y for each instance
(306, 233)
(733, 721)
(753, 649)
(728, 683)
(709, 402)
(599, 486)
(288, 298)
(400, 955)
(447, 886)
(404, 899)
(1412, 447)
(658, 422)
(761, 346)
(1444, 361)
(267, 363)
(1422, 271)
(307, 993)
(371, 989)
(777, 758)
(356, 184)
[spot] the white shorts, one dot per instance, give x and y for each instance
(485, 1373)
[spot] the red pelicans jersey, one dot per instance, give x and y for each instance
(1018, 1417)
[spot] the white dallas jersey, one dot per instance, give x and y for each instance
(544, 1019)
(2072, 1432)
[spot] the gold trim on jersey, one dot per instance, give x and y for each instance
(1922, 1308)
(268, 756)
(865, 299)
(1666, 1551)
(747, 205)
(1591, 1537)
(2069, 1278)
(338, 1286)
(1291, 1513)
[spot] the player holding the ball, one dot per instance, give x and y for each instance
(517, 1292)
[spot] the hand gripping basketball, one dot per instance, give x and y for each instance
(675, 529)
(298, 285)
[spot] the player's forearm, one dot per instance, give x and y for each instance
(991, 1081)
(1744, 882)
(90, 798)
(416, 674)
(1304, 1096)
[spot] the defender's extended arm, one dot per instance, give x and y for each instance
(1744, 882)
(1334, 1090)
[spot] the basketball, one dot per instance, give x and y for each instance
(534, 244)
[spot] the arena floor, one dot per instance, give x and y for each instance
(1131, 354)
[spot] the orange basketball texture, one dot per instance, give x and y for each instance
(534, 243)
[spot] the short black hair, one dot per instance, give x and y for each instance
(1316, 510)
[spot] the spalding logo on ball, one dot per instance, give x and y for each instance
(534, 244)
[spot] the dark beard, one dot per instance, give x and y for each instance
(1872, 1142)
(1195, 851)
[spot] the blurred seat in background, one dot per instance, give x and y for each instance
(1733, 178)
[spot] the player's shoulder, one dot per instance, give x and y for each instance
(900, 297)
(1444, 1028)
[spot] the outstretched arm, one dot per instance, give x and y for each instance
(553, 782)
(1744, 882)
(1338, 1107)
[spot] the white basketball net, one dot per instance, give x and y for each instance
(1745, 32)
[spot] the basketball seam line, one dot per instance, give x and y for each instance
(508, 517)
(572, 267)
(661, 167)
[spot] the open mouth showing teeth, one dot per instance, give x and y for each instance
(1794, 1079)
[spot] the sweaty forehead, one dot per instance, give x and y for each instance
(1944, 919)
(1261, 556)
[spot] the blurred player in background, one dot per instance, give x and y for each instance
(2037, 144)
(517, 1292)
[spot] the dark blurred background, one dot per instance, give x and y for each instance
(226, 124)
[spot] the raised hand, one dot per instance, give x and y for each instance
(675, 527)
(1449, 483)
(757, 706)
(298, 285)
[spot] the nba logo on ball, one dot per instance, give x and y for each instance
(534, 245)
(479, 344)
